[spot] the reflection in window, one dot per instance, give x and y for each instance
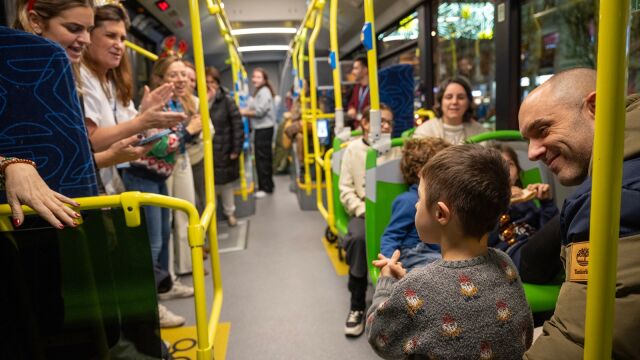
(465, 47)
(556, 35)
(406, 31)
(633, 84)
(402, 40)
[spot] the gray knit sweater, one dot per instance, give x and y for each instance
(471, 309)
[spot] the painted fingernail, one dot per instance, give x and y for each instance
(75, 223)
(60, 226)
(16, 222)
(139, 136)
(76, 215)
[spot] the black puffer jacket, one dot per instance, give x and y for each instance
(228, 137)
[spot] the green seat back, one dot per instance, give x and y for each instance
(384, 182)
(82, 290)
(340, 214)
(408, 133)
(540, 297)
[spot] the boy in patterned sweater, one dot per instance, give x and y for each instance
(470, 304)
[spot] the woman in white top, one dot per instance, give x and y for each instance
(112, 121)
(455, 111)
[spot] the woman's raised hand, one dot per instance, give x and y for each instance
(161, 95)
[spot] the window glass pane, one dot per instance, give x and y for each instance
(406, 31)
(556, 35)
(559, 34)
(465, 47)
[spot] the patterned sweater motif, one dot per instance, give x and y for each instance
(470, 309)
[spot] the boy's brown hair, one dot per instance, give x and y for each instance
(416, 152)
(474, 183)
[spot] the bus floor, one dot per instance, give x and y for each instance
(282, 296)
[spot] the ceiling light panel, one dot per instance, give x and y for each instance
(265, 30)
(263, 48)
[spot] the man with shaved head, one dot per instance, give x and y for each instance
(558, 118)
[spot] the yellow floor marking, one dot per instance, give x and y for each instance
(183, 341)
(342, 269)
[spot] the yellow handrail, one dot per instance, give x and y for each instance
(294, 62)
(335, 60)
(141, 50)
(131, 202)
(206, 335)
(236, 66)
(607, 178)
(331, 218)
(303, 111)
(317, 151)
(372, 65)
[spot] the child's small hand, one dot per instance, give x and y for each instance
(543, 191)
(390, 266)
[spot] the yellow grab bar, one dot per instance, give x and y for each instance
(331, 219)
(369, 37)
(335, 63)
(607, 178)
(303, 110)
(319, 6)
(205, 334)
(141, 50)
(131, 202)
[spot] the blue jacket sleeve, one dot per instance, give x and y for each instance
(576, 212)
(403, 213)
(548, 210)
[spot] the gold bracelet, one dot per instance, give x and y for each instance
(12, 160)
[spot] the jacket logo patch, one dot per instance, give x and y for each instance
(578, 261)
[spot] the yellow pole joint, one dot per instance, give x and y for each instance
(131, 204)
(214, 9)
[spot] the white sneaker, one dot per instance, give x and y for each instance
(178, 290)
(169, 319)
(260, 194)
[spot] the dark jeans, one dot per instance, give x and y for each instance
(264, 158)
(356, 249)
(158, 225)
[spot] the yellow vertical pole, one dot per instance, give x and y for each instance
(607, 178)
(303, 112)
(319, 7)
(235, 69)
(204, 345)
(335, 63)
(294, 61)
(369, 39)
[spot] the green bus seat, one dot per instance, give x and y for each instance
(384, 182)
(89, 291)
(541, 298)
(340, 214)
(408, 133)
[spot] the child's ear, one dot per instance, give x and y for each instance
(443, 214)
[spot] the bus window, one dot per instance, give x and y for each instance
(465, 48)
